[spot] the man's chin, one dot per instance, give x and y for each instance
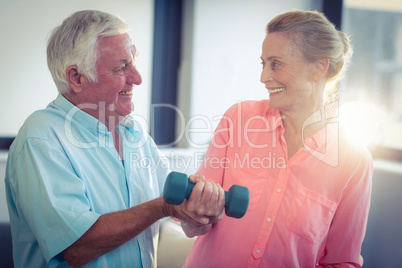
(125, 110)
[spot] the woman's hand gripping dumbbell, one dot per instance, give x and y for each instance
(177, 188)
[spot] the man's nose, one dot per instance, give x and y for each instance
(134, 76)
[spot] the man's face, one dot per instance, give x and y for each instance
(117, 75)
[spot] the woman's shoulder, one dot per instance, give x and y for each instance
(352, 149)
(251, 107)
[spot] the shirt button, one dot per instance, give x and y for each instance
(132, 138)
(258, 251)
(279, 190)
(305, 149)
(99, 126)
(104, 138)
(310, 140)
(269, 220)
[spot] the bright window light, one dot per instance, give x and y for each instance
(361, 121)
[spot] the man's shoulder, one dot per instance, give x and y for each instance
(40, 125)
(40, 122)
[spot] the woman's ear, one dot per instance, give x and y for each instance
(321, 68)
(74, 78)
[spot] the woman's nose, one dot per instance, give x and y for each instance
(265, 75)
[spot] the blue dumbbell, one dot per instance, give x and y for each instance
(177, 188)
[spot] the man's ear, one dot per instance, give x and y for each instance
(74, 78)
(321, 68)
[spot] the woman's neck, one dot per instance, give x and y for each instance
(300, 125)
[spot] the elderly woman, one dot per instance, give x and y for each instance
(309, 186)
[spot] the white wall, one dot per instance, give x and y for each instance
(223, 51)
(26, 83)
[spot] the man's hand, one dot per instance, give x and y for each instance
(206, 202)
(204, 206)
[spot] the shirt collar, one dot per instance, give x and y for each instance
(324, 145)
(274, 119)
(89, 122)
(319, 138)
(328, 133)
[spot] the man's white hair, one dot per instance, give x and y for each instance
(75, 41)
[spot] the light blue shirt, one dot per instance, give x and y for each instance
(63, 172)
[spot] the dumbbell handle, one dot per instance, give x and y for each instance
(177, 188)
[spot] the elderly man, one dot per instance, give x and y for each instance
(83, 179)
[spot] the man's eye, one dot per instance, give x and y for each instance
(263, 64)
(122, 69)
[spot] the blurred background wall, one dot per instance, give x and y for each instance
(199, 57)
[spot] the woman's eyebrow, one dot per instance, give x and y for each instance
(271, 58)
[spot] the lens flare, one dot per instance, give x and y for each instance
(361, 121)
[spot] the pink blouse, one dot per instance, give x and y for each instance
(307, 211)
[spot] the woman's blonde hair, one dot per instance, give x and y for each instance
(316, 37)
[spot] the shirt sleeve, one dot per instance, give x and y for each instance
(159, 166)
(348, 228)
(49, 197)
(162, 169)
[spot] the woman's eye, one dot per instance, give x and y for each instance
(275, 65)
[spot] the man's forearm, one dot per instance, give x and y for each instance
(204, 207)
(114, 229)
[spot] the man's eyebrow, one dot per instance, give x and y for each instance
(135, 51)
(128, 60)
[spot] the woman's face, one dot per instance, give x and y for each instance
(288, 77)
